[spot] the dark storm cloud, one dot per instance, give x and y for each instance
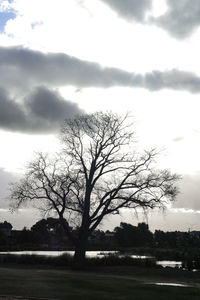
(189, 197)
(41, 111)
(49, 106)
(22, 69)
(181, 18)
(11, 114)
(173, 79)
(130, 9)
(29, 103)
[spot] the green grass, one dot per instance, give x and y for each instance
(65, 284)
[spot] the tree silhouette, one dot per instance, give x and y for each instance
(127, 235)
(45, 229)
(97, 173)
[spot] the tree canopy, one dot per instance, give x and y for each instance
(97, 172)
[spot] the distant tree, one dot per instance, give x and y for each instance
(41, 231)
(3, 239)
(128, 235)
(145, 235)
(5, 233)
(45, 229)
(6, 227)
(97, 173)
(171, 238)
(160, 238)
(25, 237)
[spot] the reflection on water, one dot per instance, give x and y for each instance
(163, 263)
(171, 284)
(141, 256)
(45, 253)
(57, 253)
(169, 263)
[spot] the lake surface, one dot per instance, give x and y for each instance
(171, 284)
(169, 263)
(163, 263)
(57, 253)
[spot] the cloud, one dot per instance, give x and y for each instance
(49, 108)
(173, 79)
(29, 102)
(42, 110)
(189, 197)
(11, 115)
(130, 9)
(178, 139)
(5, 6)
(23, 217)
(181, 19)
(196, 131)
(5, 179)
(22, 69)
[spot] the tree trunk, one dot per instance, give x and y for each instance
(79, 261)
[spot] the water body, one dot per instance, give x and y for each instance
(171, 284)
(165, 263)
(57, 253)
(169, 263)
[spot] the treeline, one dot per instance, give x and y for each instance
(44, 234)
(48, 234)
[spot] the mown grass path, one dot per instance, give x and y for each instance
(104, 283)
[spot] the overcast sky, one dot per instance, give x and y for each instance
(60, 58)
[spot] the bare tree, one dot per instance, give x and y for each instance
(95, 175)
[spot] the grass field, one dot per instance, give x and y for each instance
(109, 283)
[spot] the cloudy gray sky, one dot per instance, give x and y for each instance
(62, 58)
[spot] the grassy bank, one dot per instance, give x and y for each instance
(127, 283)
(66, 260)
(177, 254)
(190, 257)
